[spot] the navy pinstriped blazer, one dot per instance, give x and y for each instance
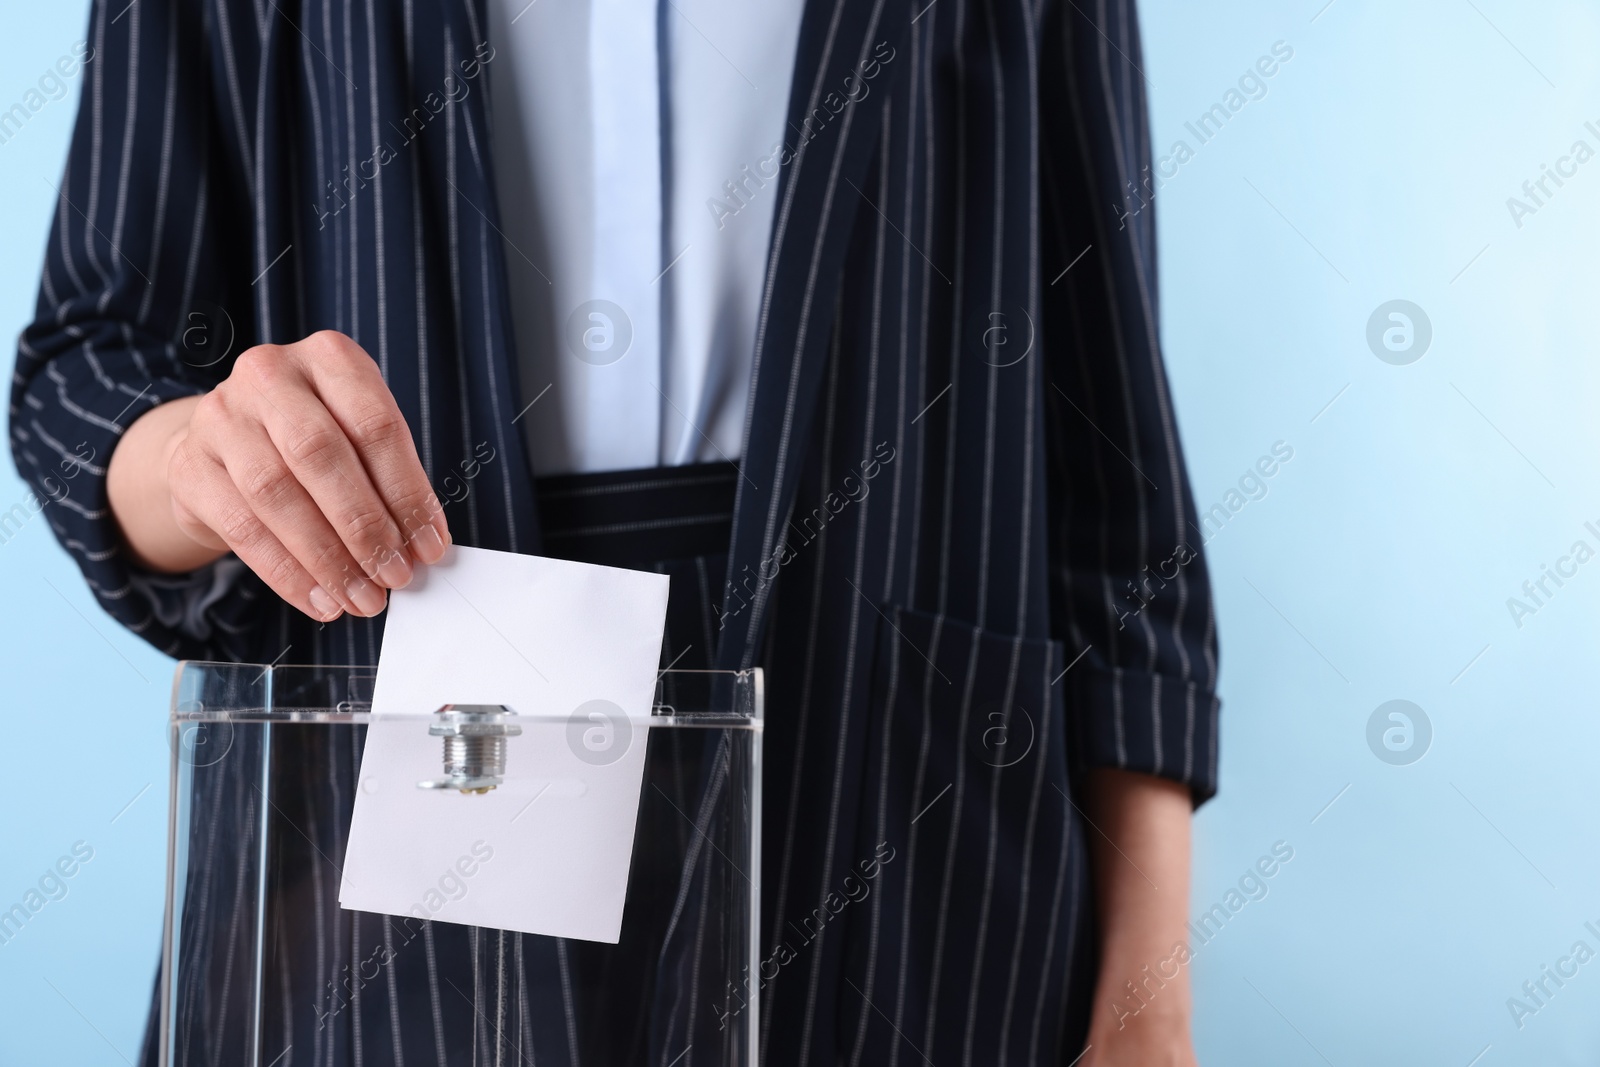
(955, 300)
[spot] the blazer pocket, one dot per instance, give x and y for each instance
(980, 875)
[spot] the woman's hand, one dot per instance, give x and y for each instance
(300, 463)
(1139, 843)
(1154, 1037)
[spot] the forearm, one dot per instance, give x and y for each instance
(1140, 857)
(141, 501)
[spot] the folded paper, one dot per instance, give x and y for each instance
(573, 649)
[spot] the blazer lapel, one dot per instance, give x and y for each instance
(844, 44)
(484, 311)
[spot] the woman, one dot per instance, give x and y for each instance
(894, 419)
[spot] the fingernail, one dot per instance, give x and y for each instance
(368, 598)
(426, 545)
(395, 571)
(325, 606)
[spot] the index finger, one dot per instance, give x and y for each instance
(355, 394)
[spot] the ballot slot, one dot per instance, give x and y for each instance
(267, 762)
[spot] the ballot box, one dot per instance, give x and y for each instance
(262, 967)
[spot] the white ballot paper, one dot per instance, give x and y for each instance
(573, 648)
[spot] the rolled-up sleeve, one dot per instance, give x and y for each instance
(1131, 598)
(130, 314)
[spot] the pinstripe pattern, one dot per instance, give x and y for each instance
(1013, 506)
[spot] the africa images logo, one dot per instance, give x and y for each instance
(599, 332)
(599, 732)
(1399, 732)
(1399, 332)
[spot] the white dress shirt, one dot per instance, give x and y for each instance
(635, 154)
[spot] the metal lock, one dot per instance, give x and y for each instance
(474, 746)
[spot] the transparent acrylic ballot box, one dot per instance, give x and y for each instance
(261, 967)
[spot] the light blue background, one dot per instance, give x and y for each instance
(1376, 567)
